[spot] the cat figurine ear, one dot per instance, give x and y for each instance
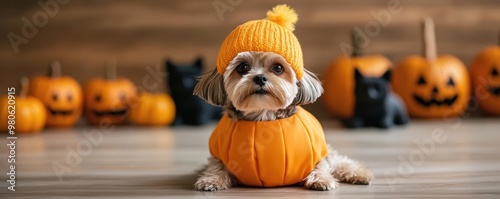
(198, 62)
(170, 66)
(387, 75)
(357, 74)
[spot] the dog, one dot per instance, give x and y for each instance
(263, 86)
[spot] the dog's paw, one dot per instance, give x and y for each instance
(324, 183)
(210, 184)
(361, 177)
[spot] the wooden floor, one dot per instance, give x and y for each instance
(133, 162)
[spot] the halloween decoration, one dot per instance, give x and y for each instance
(376, 105)
(338, 79)
(270, 143)
(432, 86)
(190, 109)
(29, 112)
(153, 109)
(61, 95)
(108, 100)
(485, 75)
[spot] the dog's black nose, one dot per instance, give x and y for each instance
(260, 80)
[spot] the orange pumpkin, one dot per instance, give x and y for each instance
(61, 95)
(434, 86)
(338, 80)
(153, 109)
(29, 112)
(485, 74)
(270, 153)
(108, 99)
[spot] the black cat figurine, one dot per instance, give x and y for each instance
(376, 105)
(190, 109)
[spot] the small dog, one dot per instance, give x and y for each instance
(190, 110)
(262, 86)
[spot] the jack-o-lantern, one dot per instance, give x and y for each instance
(485, 74)
(61, 95)
(107, 100)
(152, 109)
(26, 113)
(432, 86)
(338, 79)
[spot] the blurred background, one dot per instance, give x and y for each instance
(84, 35)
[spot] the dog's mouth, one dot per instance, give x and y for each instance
(116, 112)
(59, 112)
(260, 91)
(495, 90)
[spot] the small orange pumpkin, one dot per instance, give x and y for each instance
(61, 95)
(485, 74)
(434, 86)
(29, 112)
(338, 80)
(270, 153)
(108, 99)
(153, 109)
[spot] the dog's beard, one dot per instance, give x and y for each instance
(245, 95)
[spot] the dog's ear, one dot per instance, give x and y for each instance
(309, 89)
(210, 87)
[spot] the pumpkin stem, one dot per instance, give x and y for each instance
(357, 50)
(430, 47)
(55, 69)
(25, 84)
(111, 70)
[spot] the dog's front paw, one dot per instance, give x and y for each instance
(360, 176)
(210, 184)
(320, 183)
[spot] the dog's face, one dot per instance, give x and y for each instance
(260, 81)
(256, 81)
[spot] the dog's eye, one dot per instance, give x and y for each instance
(277, 69)
(242, 68)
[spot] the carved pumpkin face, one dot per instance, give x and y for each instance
(432, 89)
(62, 96)
(485, 74)
(108, 100)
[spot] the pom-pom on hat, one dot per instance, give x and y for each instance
(273, 34)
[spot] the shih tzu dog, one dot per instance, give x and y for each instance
(260, 79)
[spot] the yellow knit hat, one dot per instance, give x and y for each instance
(273, 34)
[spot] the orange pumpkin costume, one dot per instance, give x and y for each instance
(270, 153)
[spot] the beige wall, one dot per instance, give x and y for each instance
(83, 35)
